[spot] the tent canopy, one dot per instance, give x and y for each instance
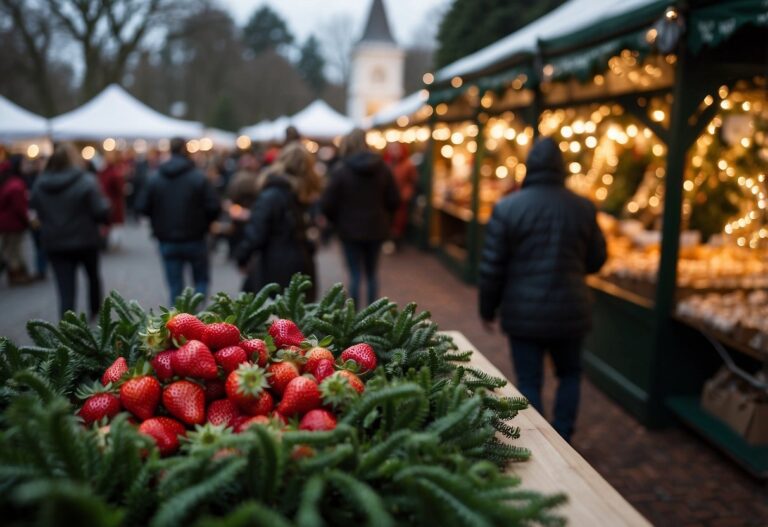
(316, 121)
(115, 113)
(220, 138)
(572, 22)
(18, 123)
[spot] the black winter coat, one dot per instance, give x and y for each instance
(180, 202)
(539, 245)
(71, 207)
(361, 198)
(275, 244)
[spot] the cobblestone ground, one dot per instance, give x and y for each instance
(671, 476)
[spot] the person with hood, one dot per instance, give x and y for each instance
(70, 208)
(360, 201)
(275, 242)
(540, 244)
(14, 220)
(181, 204)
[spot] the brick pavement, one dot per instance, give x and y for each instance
(671, 476)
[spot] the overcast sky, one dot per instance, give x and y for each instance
(406, 17)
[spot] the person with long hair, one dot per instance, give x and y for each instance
(14, 220)
(70, 207)
(275, 244)
(360, 201)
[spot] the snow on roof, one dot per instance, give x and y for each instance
(572, 16)
(18, 123)
(316, 121)
(406, 106)
(116, 113)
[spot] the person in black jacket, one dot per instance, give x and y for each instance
(275, 244)
(360, 201)
(540, 244)
(70, 207)
(181, 204)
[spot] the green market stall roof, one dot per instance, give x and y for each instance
(712, 25)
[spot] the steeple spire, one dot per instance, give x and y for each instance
(377, 28)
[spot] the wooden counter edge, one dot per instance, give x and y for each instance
(623, 511)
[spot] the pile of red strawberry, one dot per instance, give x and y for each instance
(216, 376)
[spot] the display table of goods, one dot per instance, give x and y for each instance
(267, 410)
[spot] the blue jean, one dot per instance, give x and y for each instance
(176, 255)
(528, 358)
(367, 254)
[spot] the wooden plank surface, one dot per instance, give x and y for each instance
(556, 467)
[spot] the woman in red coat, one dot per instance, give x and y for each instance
(14, 220)
(112, 182)
(405, 177)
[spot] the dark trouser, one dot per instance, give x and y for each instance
(367, 254)
(41, 261)
(175, 256)
(65, 264)
(528, 357)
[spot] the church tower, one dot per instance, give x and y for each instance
(376, 78)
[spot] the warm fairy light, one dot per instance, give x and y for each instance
(599, 80)
(575, 147)
(193, 146)
(109, 144)
(725, 104)
(33, 151)
(88, 152)
(522, 139)
(728, 229)
(697, 161)
(459, 160)
(578, 126)
(653, 201)
(723, 91)
(601, 193)
(722, 164)
(658, 150)
(491, 144)
(472, 130)
(428, 78)
(708, 100)
(607, 179)
(548, 70)
(658, 115)
(486, 101)
(742, 241)
(509, 134)
(422, 134)
(591, 141)
(502, 172)
(446, 151)
(632, 130)
(633, 207)
(566, 131)
(574, 167)
(745, 142)
(746, 105)
(243, 142)
(688, 185)
(590, 127)
(564, 145)
(456, 82)
(402, 120)
(650, 35)
(471, 147)
(206, 144)
(497, 131)
(457, 138)
(441, 109)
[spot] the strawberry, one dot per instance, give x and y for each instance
(314, 356)
(302, 451)
(362, 354)
(185, 401)
(281, 373)
(256, 419)
(115, 371)
(318, 419)
(184, 327)
(285, 333)
(140, 396)
(162, 363)
(230, 358)
(99, 406)
(221, 335)
(223, 412)
(338, 391)
(194, 359)
(256, 346)
(353, 379)
(165, 431)
(324, 368)
(247, 388)
(214, 390)
(301, 395)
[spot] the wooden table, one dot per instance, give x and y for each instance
(556, 467)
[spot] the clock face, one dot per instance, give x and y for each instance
(378, 75)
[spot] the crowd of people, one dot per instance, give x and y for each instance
(272, 204)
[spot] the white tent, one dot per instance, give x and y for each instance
(320, 121)
(404, 107)
(570, 17)
(220, 138)
(18, 123)
(117, 114)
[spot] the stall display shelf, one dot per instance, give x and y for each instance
(752, 458)
(724, 338)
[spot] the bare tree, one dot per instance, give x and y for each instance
(337, 42)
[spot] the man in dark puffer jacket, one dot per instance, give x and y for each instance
(540, 244)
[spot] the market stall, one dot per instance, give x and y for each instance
(660, 113)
